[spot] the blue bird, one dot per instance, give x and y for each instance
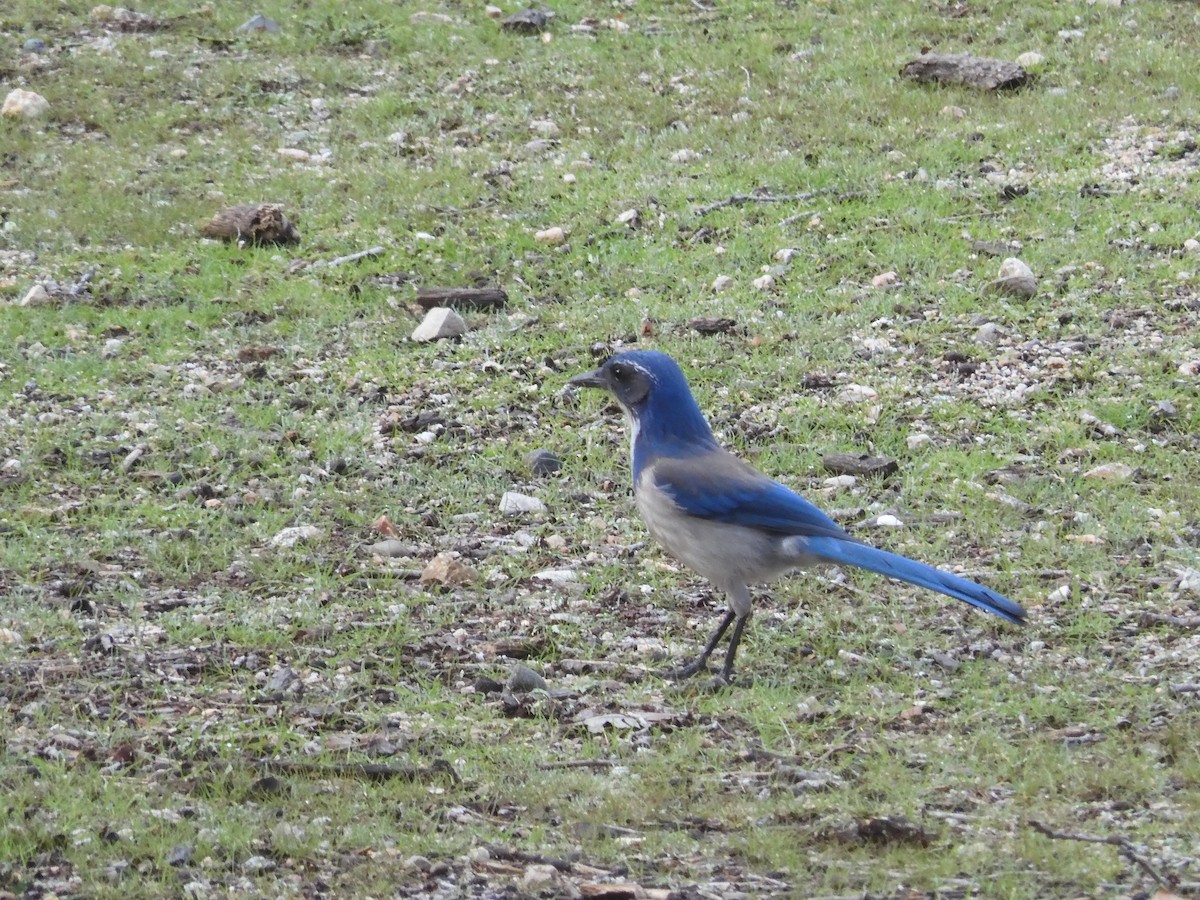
(727, 521)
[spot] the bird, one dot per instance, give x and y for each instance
(726, 520)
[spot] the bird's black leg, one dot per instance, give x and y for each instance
(701, 661)
(734, 640)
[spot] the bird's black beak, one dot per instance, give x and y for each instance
(593, 379)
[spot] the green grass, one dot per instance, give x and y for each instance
(148, 617)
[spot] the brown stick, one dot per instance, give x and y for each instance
(462, 298)
(739, 199)
(370, 771)
(1122, 844)
(580, 764)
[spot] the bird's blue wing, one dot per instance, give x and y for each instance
(719, 486)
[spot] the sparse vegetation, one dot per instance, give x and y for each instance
(191, 705)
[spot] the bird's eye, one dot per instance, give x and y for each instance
(619, 372)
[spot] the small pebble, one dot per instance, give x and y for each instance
(35, 45)
(547, 128)
(989, 334)
(297, 534)
(556, 576)
(684, 156)
(764, 283)
(1029, 59)
(258, 864)
(1116, 471)
(1015, 279)
(551, 236)
(785, 254)
(721, 284)
(448, 570)
(514, 503)
(885, 279)
(260, 24)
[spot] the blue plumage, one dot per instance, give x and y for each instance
(728, 521)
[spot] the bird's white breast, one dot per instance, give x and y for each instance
(727, 555)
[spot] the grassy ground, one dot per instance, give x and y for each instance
(193, 707)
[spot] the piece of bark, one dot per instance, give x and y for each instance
(461, 298)
(963, 68)
(859, 464)
(256, 224)
(713, 324)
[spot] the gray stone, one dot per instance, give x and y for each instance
(259, 23)
(440, 322)
(542, 462)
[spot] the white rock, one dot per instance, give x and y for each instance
(840, 482)
(294, 153)
(539, 877)
(785, 254)
(888, 521)
(556, 576)
(1013, 267)
(440, 322)
(629, 217)
(513, 503)
(917, 441)
(112, 348)
(256, 865)
(885, 279)
(1059, 594)
(545, 127)
(721, 284)
(764, 283)
(569, 178)
(1015, 278)
(953, 112)
(1189, 581)
(37, 296)
(1029, 59)
(553, 235)
(297, 534)
(8, 636)
(1116, 471)
(1191, 245)
(685, 155)
(493, 12)
(1066, 35)
(21, 104)
(989, 334)
(857, 393)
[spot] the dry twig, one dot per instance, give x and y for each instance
(764, 197)
(369, 771)
(1122, 844)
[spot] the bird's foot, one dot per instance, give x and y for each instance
(684, 672)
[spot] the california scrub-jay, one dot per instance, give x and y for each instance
(730, 523)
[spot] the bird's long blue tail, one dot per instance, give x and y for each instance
(893, 565)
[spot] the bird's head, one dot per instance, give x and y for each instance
(654, 394)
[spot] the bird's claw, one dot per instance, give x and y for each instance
(684, 672)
